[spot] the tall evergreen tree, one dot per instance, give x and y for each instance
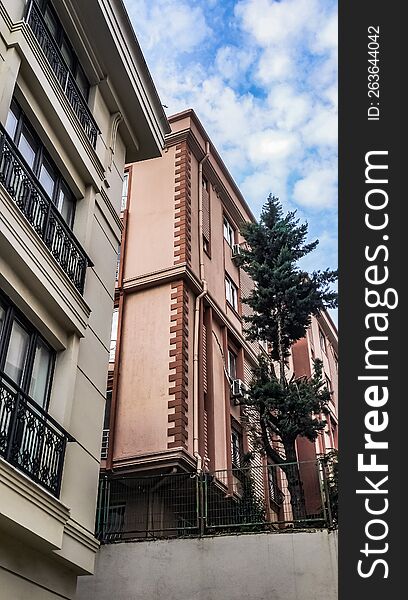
(283, 301)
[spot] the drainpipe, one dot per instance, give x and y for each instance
(197, 308)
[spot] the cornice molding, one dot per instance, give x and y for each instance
(152, 460)
(111, 209)
(208, 169)
(183, 272)
(162, 276)
(74, 530)
(25, 487)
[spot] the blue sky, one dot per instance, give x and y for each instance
(262, 77)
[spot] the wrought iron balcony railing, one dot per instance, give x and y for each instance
(40, 211)
(30, 439)
(67, 81)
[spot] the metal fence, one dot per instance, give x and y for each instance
(256, 498)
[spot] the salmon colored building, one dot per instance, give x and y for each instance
(320, 342)
(179, 357)
(180, 335)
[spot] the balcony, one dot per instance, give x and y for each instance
(44, 217)
(30, 439)
(65, 78)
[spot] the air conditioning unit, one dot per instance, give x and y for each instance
(238, 389)
(236, 251)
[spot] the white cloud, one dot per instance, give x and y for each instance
(265, 88)
(271, 144)
(168, 25)
(317, 190)
(272, 23)
(275, 65)
(289, 110)
(232, 62)
(321, 129)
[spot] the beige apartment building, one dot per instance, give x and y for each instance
(179, 359)
(76, 103)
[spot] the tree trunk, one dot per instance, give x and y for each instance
(295, 485)
(282, 374)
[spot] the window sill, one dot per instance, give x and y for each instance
(234, 310)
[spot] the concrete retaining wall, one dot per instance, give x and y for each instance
(287, 566)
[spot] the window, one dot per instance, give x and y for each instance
(108, 404)
(125, 189)
(2, 315)
(28, 146)
(322, 339)
(328, 439)
(70, 58)
(11, 122)
(328, 382)
(114, 335)
(106, 424)
(231, 292)
(39, 162)
(41, 372)
(64, 203)
(47, 177)
(264, 345)
(275, 495)
(25, 357)
(117, 265)
(232, 364)
(17, 350)
(236, 445)
(229, 233)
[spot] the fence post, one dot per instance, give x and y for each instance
(202, 501)
(326, 495)
(104, 506)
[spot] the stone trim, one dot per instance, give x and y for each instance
(18, 482)
(182, 205)
(178, 367)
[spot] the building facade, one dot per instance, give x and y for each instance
(76, 103)
(179, 358)
(320, 342)
(180, 338)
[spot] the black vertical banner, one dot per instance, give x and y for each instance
(373, 238)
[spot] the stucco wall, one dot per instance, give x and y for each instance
(298, 566)
(141, 419)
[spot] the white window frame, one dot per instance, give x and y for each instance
(229, 232)
(231, 293)
(125, 191)
(232, 361)
(322, 341)
(114, 335)
(236, 448)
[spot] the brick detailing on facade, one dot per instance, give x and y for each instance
(182, 206)
(178, 366)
